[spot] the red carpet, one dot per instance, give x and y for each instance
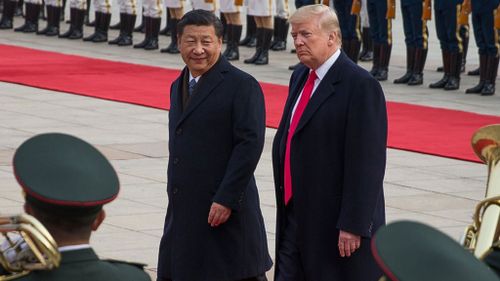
(415, 128)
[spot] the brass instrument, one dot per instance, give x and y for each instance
(485, 229)
(27, 246)
(391, 9)
(356, 7)
(465, 10)
(427, 10)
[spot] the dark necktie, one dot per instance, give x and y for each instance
(191, 86)
(304, 99)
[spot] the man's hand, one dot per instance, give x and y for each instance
(218, 214)
(348, 243)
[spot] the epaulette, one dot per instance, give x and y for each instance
(136, 264)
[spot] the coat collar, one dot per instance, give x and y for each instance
(205, 86)
(324, 90)
(74, 256)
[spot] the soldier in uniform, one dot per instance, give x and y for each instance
(102, 20)
(483, 18)
(411, 251)
(31, 16)
(54, 8)
(128, 15)
(416, 35)
(262, 12)
(9, 7)
(446, 18)
(230, 10)
(381, 15)
(66, 182)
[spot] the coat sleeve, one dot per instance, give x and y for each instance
(364, 158)
(248, 115)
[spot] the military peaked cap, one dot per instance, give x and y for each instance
(411, 251)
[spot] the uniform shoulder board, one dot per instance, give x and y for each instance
(136, 264)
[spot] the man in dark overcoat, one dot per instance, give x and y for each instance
(214, 229)
(329, 157)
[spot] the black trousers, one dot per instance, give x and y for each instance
(257, 278)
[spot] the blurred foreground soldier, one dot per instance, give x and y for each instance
(102, 20)
(66, 182)
(214, 230)
(31, 17)
(446, 18)
(77, 11)
(54, 8)
(381, 13)
(9, 7)
(415, 16)
(128, 15)
(485, 32)
(328, 179)
(411, 251)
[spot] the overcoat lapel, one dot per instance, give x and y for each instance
(207, 83)
(324, 90)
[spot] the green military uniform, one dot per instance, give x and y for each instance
(411, 251)
(64, 177)
(85, 265)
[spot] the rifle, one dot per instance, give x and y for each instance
(427, 10)
(391, 9)
(463, 17)
(497, 18)
(356, 7)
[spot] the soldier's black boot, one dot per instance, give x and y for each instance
(464, 34)
(476, 72)
(49, 22)
(97, 20)
(455, 68)
(229, 31)
(367, 52)
(263, 57)
(122, 30)
(410, 65)
(483, 64)
(155, 24)
(54, 27)
(129, 24)
(102, 34)
(492, 69)
(8, 14)
(147, 35)
(446, 68)
(250, 39)
(77, 32)
(172, 47)
(417, 77)
(376, 59)
(258, 47)
(234, 53)
(31, 19)
(385, 57)
(285, 27)
(18, 9)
